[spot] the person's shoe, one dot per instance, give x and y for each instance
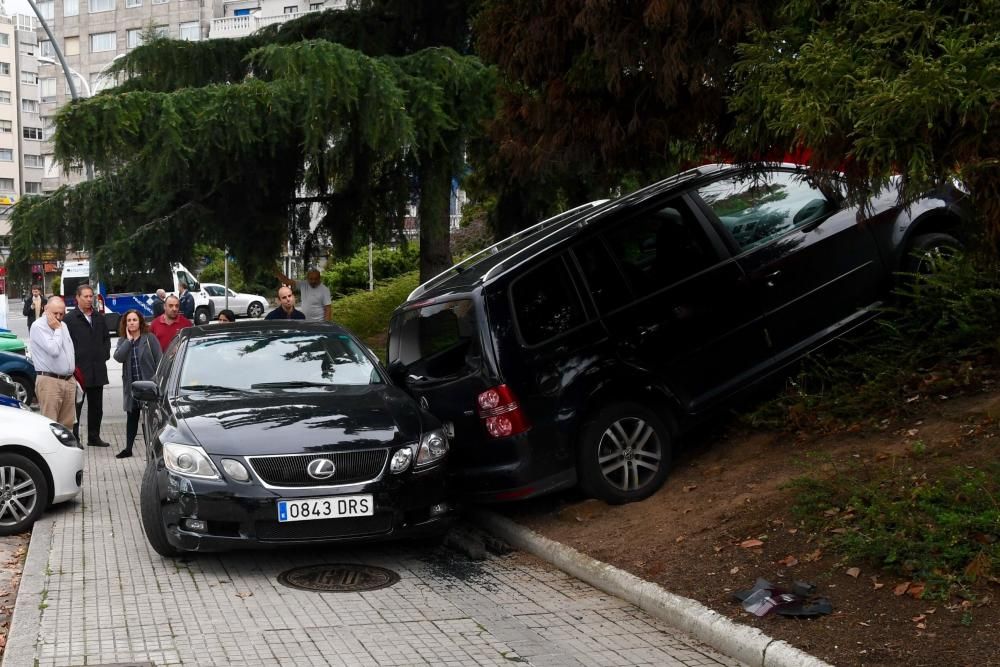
(98, 443)
(123, 454)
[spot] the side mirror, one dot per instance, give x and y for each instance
(145, 390)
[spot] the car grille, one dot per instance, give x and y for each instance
(325, 528)
(351, 468)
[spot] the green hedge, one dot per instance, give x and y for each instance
(351, 275)
(367, 313)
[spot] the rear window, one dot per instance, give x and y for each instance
(437, 341)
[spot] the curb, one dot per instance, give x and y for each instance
(741, 642)
(27, 619)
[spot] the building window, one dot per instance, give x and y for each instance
(133, 38)
(72, 46)
(46, 9)
(6, 126)
(6, 154)
(102, 41)
(33, 160)
(292, 9)
(29, 78)
(159, 2)
(315, 6)
(133, 3)
(32, 188)
(5, 69)
(29, 132)
(6, 184)
(45, 49)
(28, 106)
(190, 31)
(71, 7)
(101, 6)
(242, 12)
(4, 97)
(47, 89)
(4, 39)
(162, 31)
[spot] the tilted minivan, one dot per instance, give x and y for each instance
(577, 351)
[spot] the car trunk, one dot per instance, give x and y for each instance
(435, 353)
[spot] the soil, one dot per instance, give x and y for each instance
(727, 487)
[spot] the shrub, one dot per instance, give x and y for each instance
(351, 274)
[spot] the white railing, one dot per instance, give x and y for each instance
(240, 26)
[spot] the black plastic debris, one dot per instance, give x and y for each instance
(797, 601)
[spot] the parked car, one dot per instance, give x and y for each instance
(579, 350)
(8, 392)
(244, 305)
(22, 373)
(284, 432)
(9, 342)
(42, 465)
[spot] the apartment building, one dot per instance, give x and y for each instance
(93, 33)
(20, 135)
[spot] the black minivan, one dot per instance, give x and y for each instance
(579, 349)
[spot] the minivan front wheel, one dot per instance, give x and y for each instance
(624, 453)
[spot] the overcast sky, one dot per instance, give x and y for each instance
(18, 7)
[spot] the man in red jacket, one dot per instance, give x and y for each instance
(166, 326)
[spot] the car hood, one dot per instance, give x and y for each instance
(298, 421)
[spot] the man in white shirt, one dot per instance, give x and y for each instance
(314, 296)
(55, 359)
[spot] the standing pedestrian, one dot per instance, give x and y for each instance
(286, 309)
(54, 358)
(166, 326)
(138, 352)
(315, 296)
(92, 344)
(158, 299)
(34, 305)
(187, 300)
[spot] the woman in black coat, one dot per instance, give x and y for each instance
(139, 353)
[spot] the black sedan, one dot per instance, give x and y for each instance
(266, 433)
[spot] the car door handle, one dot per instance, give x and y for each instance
(772, 278)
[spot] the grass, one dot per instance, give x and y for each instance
(367, 313)
(941, 527)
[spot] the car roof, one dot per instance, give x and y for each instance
(261, 326)
(462, 280)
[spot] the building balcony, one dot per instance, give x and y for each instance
(241, 26)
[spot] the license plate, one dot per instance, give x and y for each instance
(338, 507)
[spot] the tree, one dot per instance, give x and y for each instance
(595, 93)
(227, 141)
(878, 87)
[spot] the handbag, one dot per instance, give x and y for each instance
(80, 381)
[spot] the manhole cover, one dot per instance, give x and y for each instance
(339, 578)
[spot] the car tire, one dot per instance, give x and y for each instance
(928, 249)
(24, 493)
(152, 519)
(255, 309)
(201, 315)
(25, 389)
(608, 467)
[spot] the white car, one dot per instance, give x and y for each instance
(41, 464)
(243, 305)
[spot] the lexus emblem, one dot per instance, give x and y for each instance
(424, 403)
(321, 469)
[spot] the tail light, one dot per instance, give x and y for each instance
(501, 414)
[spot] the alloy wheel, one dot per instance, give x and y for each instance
(629, 453)
(18, 495)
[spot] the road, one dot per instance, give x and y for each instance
(93, 592)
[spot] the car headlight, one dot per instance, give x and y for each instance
(64, 435)
(189, 461)
(401, 460)
(433, 447)
(236, 470)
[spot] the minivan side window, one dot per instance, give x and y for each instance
(661, 247)
(756, 209)
(604, 280)
(546, 302)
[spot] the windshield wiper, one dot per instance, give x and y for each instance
(290, 384)
(210, 387)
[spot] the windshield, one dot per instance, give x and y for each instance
(303, 361)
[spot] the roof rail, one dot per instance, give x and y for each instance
(496, 247)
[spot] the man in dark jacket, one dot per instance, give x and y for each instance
(92, 345)
(158, 299)
(34, 305)
(187, 301)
